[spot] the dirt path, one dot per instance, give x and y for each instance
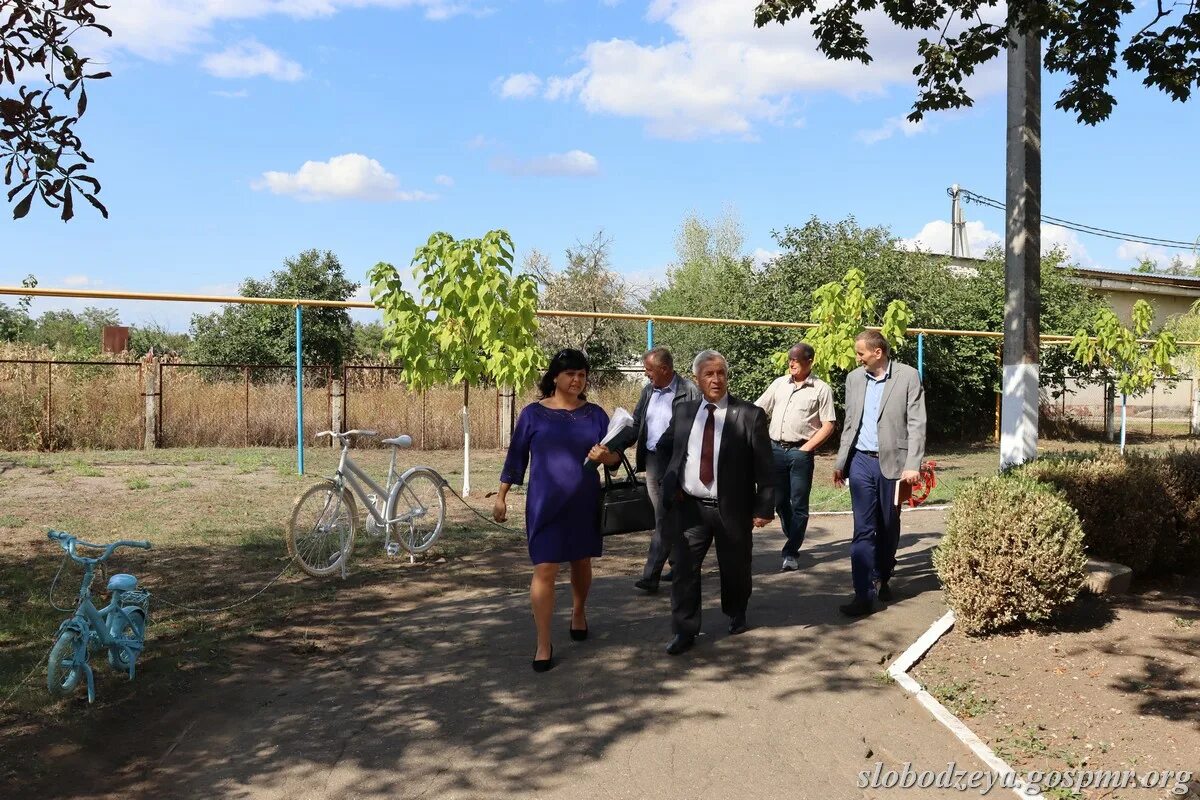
(422, 688)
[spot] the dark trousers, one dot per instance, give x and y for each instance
(701, 525)
(660, 542)
(876, 524)
(793, 484)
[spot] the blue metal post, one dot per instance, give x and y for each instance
(299, 394)
(649, 334)
(921, 356)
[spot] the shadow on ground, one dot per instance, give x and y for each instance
(383, 692)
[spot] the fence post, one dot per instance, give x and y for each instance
(246, 389)
(338, 399)
(150, 399)
(507, 415)
(48, 442)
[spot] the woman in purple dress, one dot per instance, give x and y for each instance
(554, 437)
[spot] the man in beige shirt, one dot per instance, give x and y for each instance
(800, 407)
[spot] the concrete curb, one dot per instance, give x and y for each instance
(899, 672)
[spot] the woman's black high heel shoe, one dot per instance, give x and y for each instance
(544, 664)
(579, 634)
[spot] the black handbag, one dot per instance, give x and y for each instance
(625, 505)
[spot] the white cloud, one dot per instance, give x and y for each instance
(479, 142)
(519, 86)
(718, 74)
(890, 128)
(80, 282)
(934, 237)
(444, 180)
(161, 29)
(762, 256)
(346, 177)
(235, 95)
(252, 59)
(572, 162)
(1054, 236)
(1136, 251)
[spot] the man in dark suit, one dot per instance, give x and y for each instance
(721, 482)
(665, 392)
(883, 443)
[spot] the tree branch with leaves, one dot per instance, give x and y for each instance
(1120, 352)
(841, 310)
(41, 153)
(1081, 42)
(471, 321)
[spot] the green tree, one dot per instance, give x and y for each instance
(710, 277)
(154, 335)
(472, 321)
(1082, 40)
(42, 154)
(961, 373)
(1132, 364)
(69, 333)
(841, 312)
(587, 283)
(15, 322)
(1176, 266)
(368, 340)
(1186, 328)
(266, 334)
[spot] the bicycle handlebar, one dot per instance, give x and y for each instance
(68, 542)
(347, 434)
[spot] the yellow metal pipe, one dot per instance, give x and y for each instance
(96, 294)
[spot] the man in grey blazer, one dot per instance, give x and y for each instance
(883, 442)
(665, 392)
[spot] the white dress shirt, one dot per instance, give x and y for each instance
(691, 469)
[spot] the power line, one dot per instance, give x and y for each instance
(979, 199)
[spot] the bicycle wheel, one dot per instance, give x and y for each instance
(132, 628)
(419, 506)
(62, 673)
(321, 532)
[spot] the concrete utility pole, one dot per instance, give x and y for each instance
(1022, 251)
(958, 226)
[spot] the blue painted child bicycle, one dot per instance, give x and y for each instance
(120, 626)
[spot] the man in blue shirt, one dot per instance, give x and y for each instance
(665, 389)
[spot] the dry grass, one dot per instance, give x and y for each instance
(101, 407)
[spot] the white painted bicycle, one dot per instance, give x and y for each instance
(408, 512)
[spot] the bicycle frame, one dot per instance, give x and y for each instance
(95, 624)
(350, 474)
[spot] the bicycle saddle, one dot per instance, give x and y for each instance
(121, 582)
(403, 440)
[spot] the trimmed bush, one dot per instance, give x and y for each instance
(1180, 552)
(1121, 503)
(1012, 554)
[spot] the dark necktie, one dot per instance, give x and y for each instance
(706, 449)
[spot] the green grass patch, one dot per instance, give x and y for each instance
(85, 470)
(137, 483)
(961, 698)
(11, 521)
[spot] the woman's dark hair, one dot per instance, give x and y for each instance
(562, 361)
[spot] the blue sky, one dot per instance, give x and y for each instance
(235, 134)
